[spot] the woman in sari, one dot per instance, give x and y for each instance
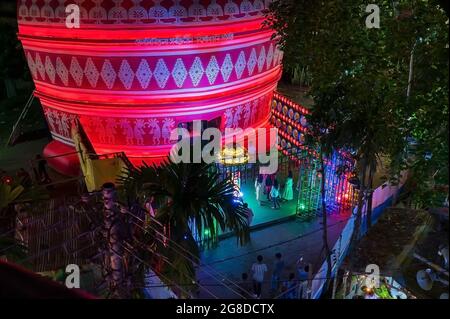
(288, 191)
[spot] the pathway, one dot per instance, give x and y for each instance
(231, 261)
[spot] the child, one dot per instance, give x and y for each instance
(275, 194)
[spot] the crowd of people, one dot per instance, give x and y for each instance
(292, 286)
(268, 187)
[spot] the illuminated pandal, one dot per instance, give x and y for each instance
(290, 119)
(136, 69)
(232, 156)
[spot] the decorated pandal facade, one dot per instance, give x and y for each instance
(290, 119)
(136, 69)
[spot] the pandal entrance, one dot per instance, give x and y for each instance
(294, 156)
(290, 119)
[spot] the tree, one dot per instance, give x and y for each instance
(363, 76)
(342, 68)
(424, 119)
(193, 204)
(12, 61)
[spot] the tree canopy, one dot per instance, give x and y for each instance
(379, 89)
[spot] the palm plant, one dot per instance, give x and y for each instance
(193, 204)
(8, 194)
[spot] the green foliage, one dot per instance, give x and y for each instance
(360, 78)
(8, 194)
(12, 61)
(186, 195)
(12, 250)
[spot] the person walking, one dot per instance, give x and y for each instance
(303, 276)
(288, 191)
(275, 194)
(245, 287)
(259, 188)
(268, 184)
(278, 268)
(289, 291)
(42, 170)
(259, 270)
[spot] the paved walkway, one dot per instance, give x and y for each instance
(231, 261)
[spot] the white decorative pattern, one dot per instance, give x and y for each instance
(231, 9)
(23, 10)
(47, 11)
(118, 13)
(237, 116)
(83, 11)
(258, 5)
(179, 73)
(214, 10)
(145, 131)
(276, 56)
(196, 71)
(178, 11)
(137, 12)
(212, 70)
(108, 74)
(247, 113)
(168, 124)
(246, 7)
(61, 70)
(126, 74)
(40, 66)
(269, 57)
(144, 74)
(158, 12)
(42, 11)
(50, 69)
(31, 65)
(76, 71)
(197, 11)
(161, 73)
(251, 63)
(34, 11)
(138, 73)
(91, 72)
(240, 65)
(261, 59)
(98, 13)
(227, 68)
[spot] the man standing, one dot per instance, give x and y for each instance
(278, 268)
(289, 288)
(275, 194)
(42, 170)
(268, 185)
(245, 287)
(303, 276)
(259, 270)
